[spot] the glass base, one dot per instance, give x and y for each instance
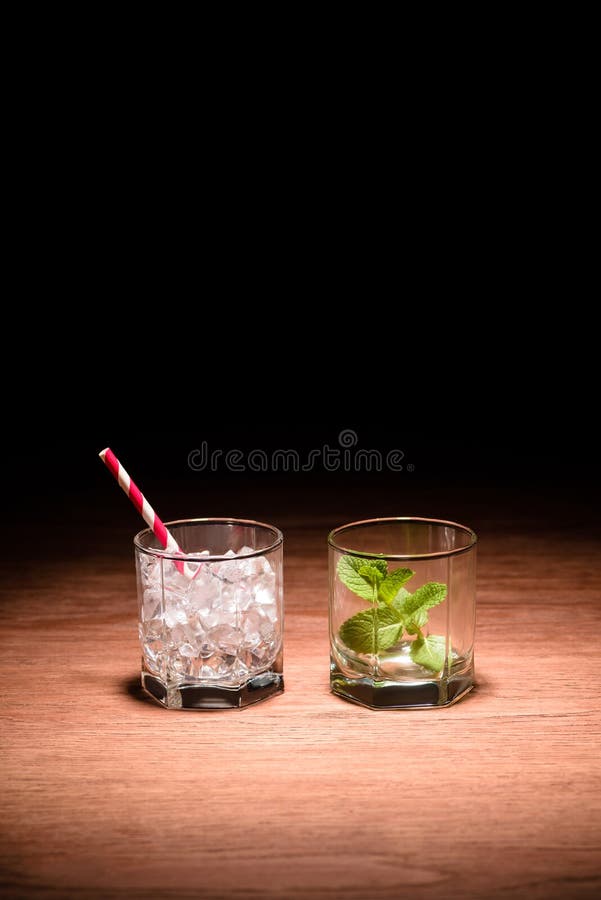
(213, 696)
(400, 695)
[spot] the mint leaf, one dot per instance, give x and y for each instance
(414, 607)
(390, 628)
(372, 630)
(417, 621)
(393, 583)
(371, 574)
(350, 573)
(429, 652)
(399, 600)
(379, 564)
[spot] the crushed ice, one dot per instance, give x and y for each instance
(220, 624)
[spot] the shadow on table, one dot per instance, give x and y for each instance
(482, 685)
(133, 688)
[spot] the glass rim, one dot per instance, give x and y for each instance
(217, 520)
(401, 556)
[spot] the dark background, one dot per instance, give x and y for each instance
(476, 449)
(443, 313)
(495, 411)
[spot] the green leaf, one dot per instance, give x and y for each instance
(415, 625)
(390, 628)
(393, 583)
(371, 574)
(379, 564)
(400, 598)
(372, 630)
(429, 652)
(414, 607)
(350, 570)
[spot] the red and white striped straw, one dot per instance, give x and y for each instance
(138, 499)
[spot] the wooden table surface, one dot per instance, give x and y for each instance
(105, 794)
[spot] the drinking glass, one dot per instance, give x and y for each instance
(402, 612)
(211, 622)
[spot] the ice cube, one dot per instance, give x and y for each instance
(195, 625)
(203, 591)
(151, 604)
(270, 612)
(194, 667)
(210, 620)
(265, 601)
(226, 638)
(262, 656)
(263, 596)
(225, 667)
(267, 632)
(175, 636)
(243, 598)
(226, 602)
(175, 614)
(206, 671)
(239, 567)
(151, 629)
(250, 624)
(154, 654)
(251, 639)
(177, 666)
(245, 658)
(261, 564)
(218, 665)
(239, 669)
(150, 570)
(231, 572)
(205, 646)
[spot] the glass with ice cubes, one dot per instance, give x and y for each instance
(211, 621)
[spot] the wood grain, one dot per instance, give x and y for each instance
(104, 794)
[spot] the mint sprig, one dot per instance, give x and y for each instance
(372, 630)
(429, 651)
(394, 611)
(361, 576)
(414, 607)
(392, 584)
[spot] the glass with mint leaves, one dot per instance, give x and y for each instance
(402, 612)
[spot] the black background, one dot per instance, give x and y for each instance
(490, 396)
(485, 438)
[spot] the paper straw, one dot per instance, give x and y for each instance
(138, 499)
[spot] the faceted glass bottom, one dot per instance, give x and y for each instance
(386, 694)
(213, 696)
